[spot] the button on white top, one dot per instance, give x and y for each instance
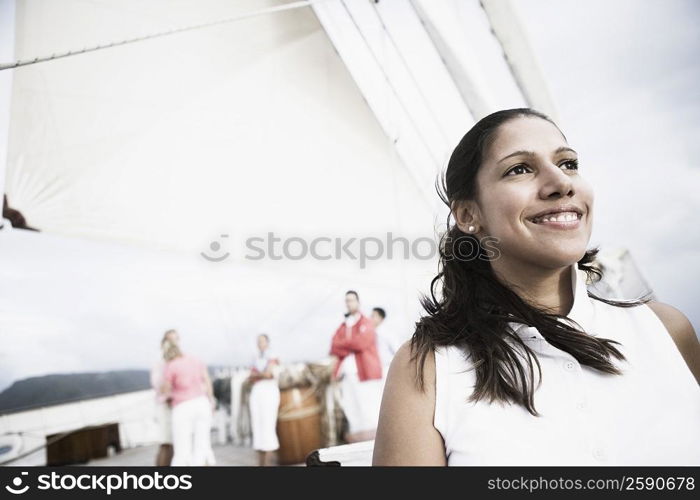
(569, 365)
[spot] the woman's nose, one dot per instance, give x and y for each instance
(555, 182)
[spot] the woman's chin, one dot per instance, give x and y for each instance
(562, 258)
(554, 254)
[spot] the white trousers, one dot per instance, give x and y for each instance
(264, 406)
(192, 432)
(361, 402)
(165, 424)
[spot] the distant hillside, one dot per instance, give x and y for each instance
(47, 390)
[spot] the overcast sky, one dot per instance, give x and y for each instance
(625, 76)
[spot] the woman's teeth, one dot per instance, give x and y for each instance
(560, 217)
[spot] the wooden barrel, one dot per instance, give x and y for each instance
(298, 425)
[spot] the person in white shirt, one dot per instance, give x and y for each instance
(163, 410)
(387, 342)
(264, 401)
(515, 361)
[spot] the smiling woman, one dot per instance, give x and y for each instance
(515, 362)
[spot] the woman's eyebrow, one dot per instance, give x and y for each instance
(531, 153)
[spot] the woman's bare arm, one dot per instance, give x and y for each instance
(166, 389)
(682, 333)
(269, 369)
(208, 388)
(406, 434)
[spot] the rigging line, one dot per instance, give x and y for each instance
(411, 73)
(393, 90)
(269, 10)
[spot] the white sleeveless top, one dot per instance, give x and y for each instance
(649, 415)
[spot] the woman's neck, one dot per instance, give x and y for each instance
(547, 289)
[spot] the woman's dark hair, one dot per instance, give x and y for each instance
(474, 307)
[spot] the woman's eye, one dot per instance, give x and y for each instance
(572, 164)
(521, 169)
(518, 169)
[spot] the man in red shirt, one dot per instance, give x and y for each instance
(359, 370)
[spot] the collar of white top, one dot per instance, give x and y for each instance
(581, 311)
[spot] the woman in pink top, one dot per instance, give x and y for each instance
(163, 410)
(187, 383)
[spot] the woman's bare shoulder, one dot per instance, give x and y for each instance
(677, 324)
(406, 434)
(682, 332)
(405, 367)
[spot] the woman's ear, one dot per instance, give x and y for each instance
(465, 213)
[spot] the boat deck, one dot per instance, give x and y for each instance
(145, 455)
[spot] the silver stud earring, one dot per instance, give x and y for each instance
(471, 229)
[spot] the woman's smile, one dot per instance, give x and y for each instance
(562, 220)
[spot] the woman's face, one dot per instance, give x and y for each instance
(529, 168)
(262, 343)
